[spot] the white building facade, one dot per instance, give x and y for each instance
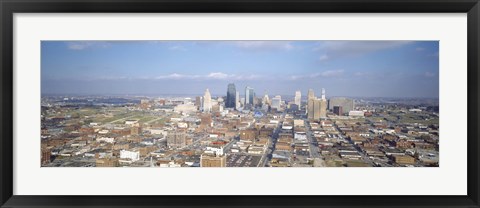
(132, 155)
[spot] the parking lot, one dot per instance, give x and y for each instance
(238, 160)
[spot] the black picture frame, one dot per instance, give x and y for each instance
(10, 7)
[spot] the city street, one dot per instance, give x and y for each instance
(314, 150)
(365, 158)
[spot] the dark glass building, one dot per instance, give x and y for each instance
(231, 94)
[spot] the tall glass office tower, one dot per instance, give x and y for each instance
(231, 96)
(249, 96)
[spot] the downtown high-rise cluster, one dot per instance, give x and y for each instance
(316, 108)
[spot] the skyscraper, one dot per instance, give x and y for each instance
(207, 101)
(347, 104)
(247, 93)
(338, 110)
(317, 108)
(311, 94)
(198, 102)
(249, 96)
(298, 98)
(323, 105)
(231, 96)
(310, 104)
(265, 102)
(237, 100)
(276, 102)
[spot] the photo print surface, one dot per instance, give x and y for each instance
(240, 104)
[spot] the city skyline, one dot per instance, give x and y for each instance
(345, 68)
(171, 133)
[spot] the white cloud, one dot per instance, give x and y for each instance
(210, 76)
(171, 76)
(218, 75)
(82, 45)
(324, 57)
(250, 77)
(328, 73)
(264, 45)
(332, 73)
(296, 77)
(177, 48)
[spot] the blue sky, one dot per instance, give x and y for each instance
(343, 68)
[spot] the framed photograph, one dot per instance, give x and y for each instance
(264, 103)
